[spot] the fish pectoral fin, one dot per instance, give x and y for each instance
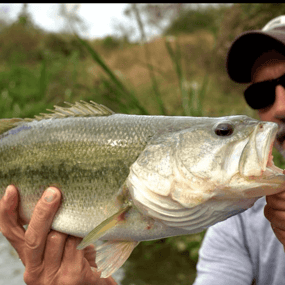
(111, 255)
(101, 229)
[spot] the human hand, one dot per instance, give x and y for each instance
(274, 211)
(50, 257)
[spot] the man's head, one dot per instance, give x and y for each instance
(258, 57)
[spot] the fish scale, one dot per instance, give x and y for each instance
(93, 152)
(128, 178)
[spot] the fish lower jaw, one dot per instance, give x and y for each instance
(270, 182)
(270, 169)
(272, 175)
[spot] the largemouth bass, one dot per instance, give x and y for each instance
(129, 178)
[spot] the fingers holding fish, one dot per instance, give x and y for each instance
(279, 233)
(81, 264)
(39, 226)
(10, 221)
(54, 248)
(275, 217)
(52, 257)
(90, 254)
(75, 266)
(274, 211)
(276, 201)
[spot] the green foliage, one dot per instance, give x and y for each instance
(19, 86)
(278, 159)
(192, 20)
(63, 44)
(191, 93)
(19, 44)
(160, 262)
(122, 90)
(111, 42)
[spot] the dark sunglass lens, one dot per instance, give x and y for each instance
(260, 95)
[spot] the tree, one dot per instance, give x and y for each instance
(155, 17)
(72, 21)
(25, 18)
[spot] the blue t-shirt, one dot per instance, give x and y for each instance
(241, 250)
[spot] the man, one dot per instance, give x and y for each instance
(247, 248)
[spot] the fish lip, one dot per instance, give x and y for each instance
(255, 152)
(264, 149)
(267, 161)
(260, 147)
(271, 177)
(269, 147)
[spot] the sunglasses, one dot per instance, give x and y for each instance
(262, 94)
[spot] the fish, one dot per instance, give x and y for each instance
(130, 178)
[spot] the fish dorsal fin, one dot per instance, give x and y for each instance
(7, 124)
(79, 109)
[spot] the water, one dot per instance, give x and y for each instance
(12, 269)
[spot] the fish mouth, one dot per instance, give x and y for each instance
(261, 176)
(264, 140)
(270, 163)
(280, 136)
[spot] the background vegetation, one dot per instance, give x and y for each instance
(182, 72)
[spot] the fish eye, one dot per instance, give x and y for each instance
(224, 129)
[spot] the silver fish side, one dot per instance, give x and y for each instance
(88, 158)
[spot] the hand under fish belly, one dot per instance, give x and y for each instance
(129, 178)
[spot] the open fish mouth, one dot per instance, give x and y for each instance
(267, 176)
(257, 175)
(270, 163)
(280, 136)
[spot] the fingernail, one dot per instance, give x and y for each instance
(9, 191)
(49, 195)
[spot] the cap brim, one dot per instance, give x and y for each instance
(247, 48)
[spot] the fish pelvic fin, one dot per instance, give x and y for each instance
(111, 255)
(79, 109)
(101, 229)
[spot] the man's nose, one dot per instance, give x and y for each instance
(279, 104)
